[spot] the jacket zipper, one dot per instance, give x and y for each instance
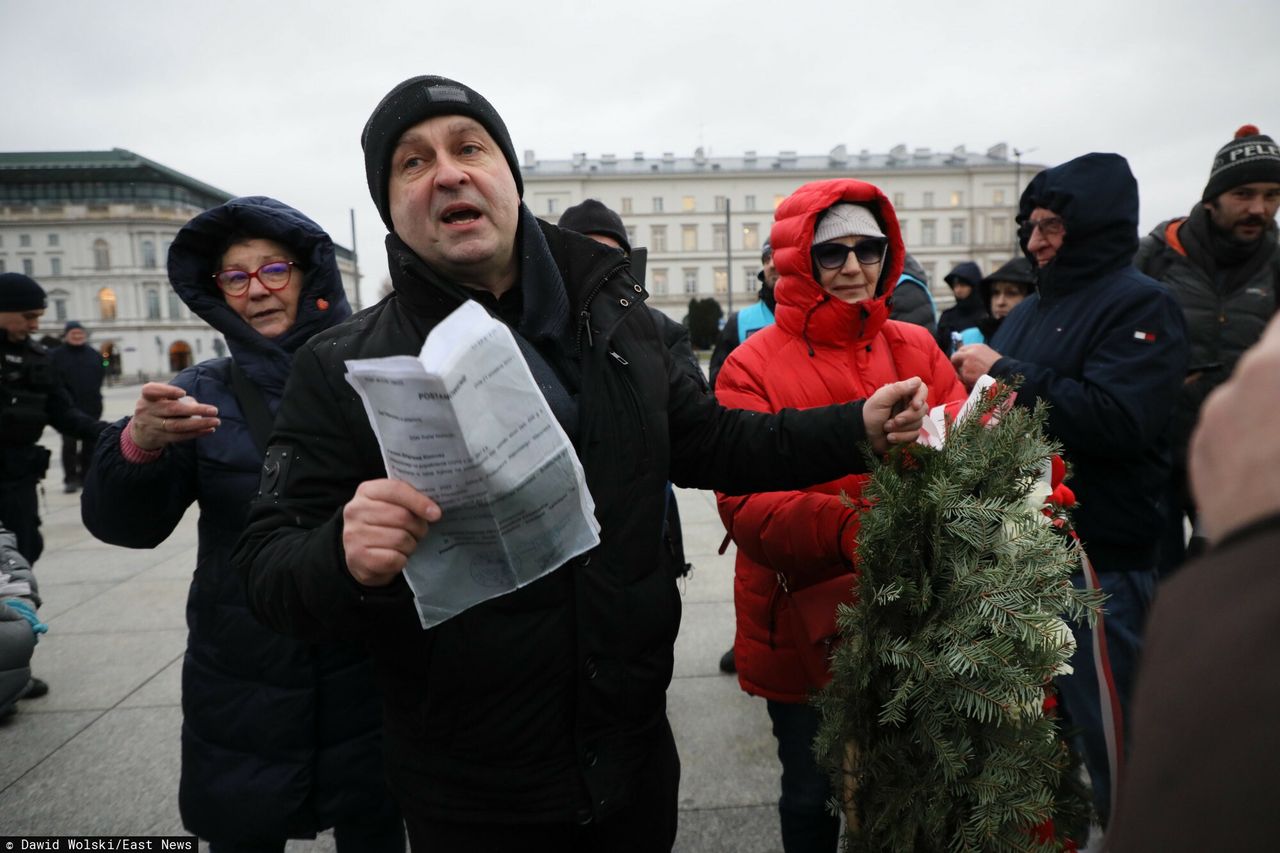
(584, 316)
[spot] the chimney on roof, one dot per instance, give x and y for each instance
(608, 160)
(839, 155)
(529, 159)
(639, 158)
(999, 151)
(669, 158)
(699, 156)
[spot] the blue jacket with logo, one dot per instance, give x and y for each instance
(1106, 347)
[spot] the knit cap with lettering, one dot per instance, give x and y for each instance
(1249, 158)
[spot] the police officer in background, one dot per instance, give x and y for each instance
(31, 396)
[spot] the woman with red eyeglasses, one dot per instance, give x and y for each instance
(280, 738)
(839, 253)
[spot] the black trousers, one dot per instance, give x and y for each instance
(20, 514)
(76, 453)
(645, 825)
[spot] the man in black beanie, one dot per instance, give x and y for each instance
(535, 721)
(31, 396)
(1222, 264)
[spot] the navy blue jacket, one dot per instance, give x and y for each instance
(82, 373)
(1106, 347)
(280, 738)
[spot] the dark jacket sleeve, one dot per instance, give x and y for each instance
(911, 305)
(290, 555)
(725, 344)
(67, 419)
(676, 338)
(736, 451)
(136, 505)
(1127, 387)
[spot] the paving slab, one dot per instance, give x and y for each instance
(97, 671)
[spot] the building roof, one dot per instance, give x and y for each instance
(97, 176)
(899, 158)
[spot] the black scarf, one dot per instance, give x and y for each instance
(1229, 262)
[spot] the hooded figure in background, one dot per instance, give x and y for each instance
(968, 310)
(1001, 292)
(280, 738)
(912, 300)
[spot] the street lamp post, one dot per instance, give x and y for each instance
(728, 257)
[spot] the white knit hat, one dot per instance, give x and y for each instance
(846, 220)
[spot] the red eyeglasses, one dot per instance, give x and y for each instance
(274, 276)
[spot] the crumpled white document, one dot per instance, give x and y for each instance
(465, 424)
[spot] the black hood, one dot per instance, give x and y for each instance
(1017, 270)
(193, 260)
(1097, 197)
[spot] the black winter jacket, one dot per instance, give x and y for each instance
(539, 705)
(1222, 320)
(82, 373)
(1106, 347)
(280, 738)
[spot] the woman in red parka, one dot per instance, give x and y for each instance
(839, 252)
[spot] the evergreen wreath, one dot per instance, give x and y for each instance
(934, 724)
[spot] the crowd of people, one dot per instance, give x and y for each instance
(314, 699)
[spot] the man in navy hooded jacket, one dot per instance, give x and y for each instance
(1106, 347)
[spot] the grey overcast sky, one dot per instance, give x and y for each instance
(269, 96)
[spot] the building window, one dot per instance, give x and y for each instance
(931, 270)
(997, 196)
(28, 266)
(690, 279)
(777, 200)
(626, 204)
(657, 238)
(957, 232)
(902, 226)
(751, 236)
(53, 240)
(107, 303)
(175, 306)
(899, 200)
(999, 230)
(553, 205)
(657, 204)
(928, 199)
(631, 234)
(3, 266)
(749, 280)
(55, 266)
(149, 254)
(749, 203)
(717, 238)
(957, 198)
(721, 203)
(153, 304)
(689, 238)
(928, 232)
(1, 240)
(24, 240)
(720, 275)
(101, 256)
(687, 204)
(59, 307)
(659, 278)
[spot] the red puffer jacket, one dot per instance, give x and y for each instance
(820, 351)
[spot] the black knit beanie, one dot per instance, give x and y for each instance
(592, 217)
(20, 293)
(1249, 158)
(416, 100)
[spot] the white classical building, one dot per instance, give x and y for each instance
(94, 227)
(704, 219)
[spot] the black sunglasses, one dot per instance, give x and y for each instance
(832, 256)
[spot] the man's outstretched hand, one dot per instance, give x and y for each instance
(895, 412)
(381, 526)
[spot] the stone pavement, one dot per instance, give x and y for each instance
(99, 754)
